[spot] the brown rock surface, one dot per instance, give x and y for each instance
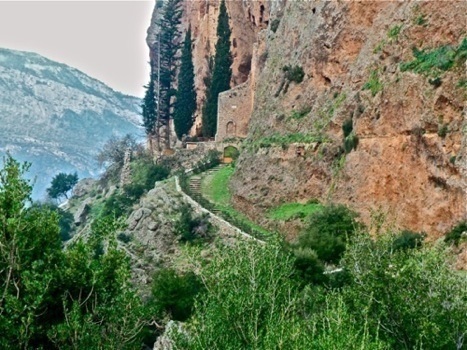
(401, 167)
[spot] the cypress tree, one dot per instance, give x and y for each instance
(149, 107)
(185, 104)
(221, 74)
(168, 46)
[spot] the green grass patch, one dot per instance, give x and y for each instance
(284, 140)
(394, 32)
(420, 20)
(300, 114)
(289, 211)
(216, 186)
(441, 59)
(373, 84)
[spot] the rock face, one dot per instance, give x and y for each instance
(409, 163)
(406, 152)
(247, 18)
(57, 117)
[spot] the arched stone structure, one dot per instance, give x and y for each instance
(230, 154)
(230, 129)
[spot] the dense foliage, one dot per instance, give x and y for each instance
(192, 229)
(328, 232)
(185, 104)
(65, 218)
(144, 174)
(392, 291)
(394, 299)
(173, 293)
(78, 298)
(455, 234)
(221, 73)
(437, 60)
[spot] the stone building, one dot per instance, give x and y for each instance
(234, 112)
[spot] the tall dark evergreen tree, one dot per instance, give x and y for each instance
(221, 74)
(149, 109)
(169, 44)
(185, 104)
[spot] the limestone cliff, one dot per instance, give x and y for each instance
(391, 73)
(405, 120)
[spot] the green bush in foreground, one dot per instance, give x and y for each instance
(410, 296)
(78, 298)
(328, 232)
(250, 301)
(174, 293)
(395, 299)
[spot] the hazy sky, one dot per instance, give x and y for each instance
(104, 39)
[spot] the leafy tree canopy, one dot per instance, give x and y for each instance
(62, 184)
(78, 298)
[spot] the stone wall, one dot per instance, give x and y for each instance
(234, 111)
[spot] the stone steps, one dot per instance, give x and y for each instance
(195, 184)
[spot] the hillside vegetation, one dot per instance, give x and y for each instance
(336, 287)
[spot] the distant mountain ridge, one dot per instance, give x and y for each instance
(57, 117)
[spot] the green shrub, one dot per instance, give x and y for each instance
(411, 298)
(124, 237)
(373, 84)
(347, 127)
(351, 142)
(454, 236)
(436, 82)
(65, 218)
(275, 24)
(442, 130)
(250, 301)
(174, 293)
(328, 232)
(191, 229)
(408, 240)
(294, 73)
(394, 32)
(117, 204)
(432, 62)
(300, 114)
(420, 20)
(144, 173)
(308, 266)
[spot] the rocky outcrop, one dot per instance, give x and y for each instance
(409, 161)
